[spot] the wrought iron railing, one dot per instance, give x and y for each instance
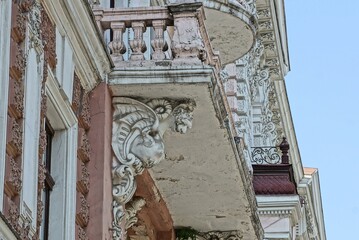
(266, 155)
(271, 155)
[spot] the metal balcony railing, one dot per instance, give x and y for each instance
(271, 155)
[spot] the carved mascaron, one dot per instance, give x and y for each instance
(137, 142)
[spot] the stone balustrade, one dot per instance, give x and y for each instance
(178, 35)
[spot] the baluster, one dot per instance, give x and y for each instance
(117, 45)
(138, 45)
(159, 44)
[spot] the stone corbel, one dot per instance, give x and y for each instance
(137, 143)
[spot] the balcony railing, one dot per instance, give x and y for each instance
(271, 155)
(186, 41)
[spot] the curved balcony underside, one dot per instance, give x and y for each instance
(202, 179)
(231, 28)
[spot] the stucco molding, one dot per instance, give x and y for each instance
(283, 206)
(137, 143)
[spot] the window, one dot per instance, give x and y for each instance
(49, 182)
(61, 162)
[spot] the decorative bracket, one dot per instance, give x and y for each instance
(137, 142)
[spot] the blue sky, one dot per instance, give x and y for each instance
(323, 90)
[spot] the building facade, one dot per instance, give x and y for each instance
(150, 120)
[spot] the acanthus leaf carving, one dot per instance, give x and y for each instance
(133, 207)
(137, 142)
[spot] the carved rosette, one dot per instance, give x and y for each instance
(137, 142)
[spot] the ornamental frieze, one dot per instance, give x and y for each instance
(137, 143)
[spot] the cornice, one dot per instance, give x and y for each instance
(272, 32)
(281, 205)
(309, 190)
(59, 103)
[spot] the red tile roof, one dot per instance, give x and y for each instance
(273, 179)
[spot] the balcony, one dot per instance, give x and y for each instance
(237, 24)
(272, 173)
(178, 65)
(179, 36)
(232, 27)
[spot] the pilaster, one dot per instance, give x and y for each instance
(99, 167)
(5, 24)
